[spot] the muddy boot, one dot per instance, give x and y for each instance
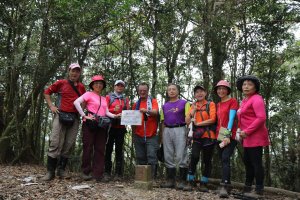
(203, 187)
(247, 189)
(107, 172)
(259, 189)
(191, 182)
(189, 186)
(86, 177)
(223, 193)
(62, 163)
(119, 172)
(203, 184)
(106, 177)
(154, 172)
(256, 194)
(171, 174)
(154, 175)
(51, 166)
(183, 177)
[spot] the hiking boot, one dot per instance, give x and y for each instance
(189, 186)
(153, 171)
(254, 195)
(86, 177)
(183, 176)
(247, 189)
(118, 177)
(61, 173)
(50, 175)
(119, 170)
(259, 189)
(170, 183)
(51, 166)
(223, 193)
(203, 187)
(106, 178)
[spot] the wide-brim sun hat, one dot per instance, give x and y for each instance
(254, 79)
(97, 78)
(74, 65)
(197, 87)
(225, 84)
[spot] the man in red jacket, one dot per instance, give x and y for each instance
(63, 135)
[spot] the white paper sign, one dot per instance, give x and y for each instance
(131, 117)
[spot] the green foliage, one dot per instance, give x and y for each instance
(185, 42)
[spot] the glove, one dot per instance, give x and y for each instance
(227, 133)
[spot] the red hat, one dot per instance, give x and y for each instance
(97, 78)
(74, 65)
(223, 83)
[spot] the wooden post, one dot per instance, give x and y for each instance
(143, 179)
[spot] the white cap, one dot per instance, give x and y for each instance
(74, 65)
(120, 81)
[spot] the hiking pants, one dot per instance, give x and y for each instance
(253, 165)
(207, 153)
(175, 148)
(225, 153)
(93, 151)
(62, 138)
(146, 151)
(115, 136)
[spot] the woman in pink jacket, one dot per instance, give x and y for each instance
(252, 120)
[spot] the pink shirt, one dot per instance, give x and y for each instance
(93, 101)
(252, 120)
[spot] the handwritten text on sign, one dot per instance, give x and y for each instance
(131, 117)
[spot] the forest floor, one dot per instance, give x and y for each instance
(23, 182)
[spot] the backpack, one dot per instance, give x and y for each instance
(199, 131)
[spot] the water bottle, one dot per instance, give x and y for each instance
(237, 135)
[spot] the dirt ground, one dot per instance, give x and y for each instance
(22, 182)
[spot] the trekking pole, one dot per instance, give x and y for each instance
(145, 120)
(189, 150)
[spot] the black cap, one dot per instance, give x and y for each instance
(197, 87)
(254, 79)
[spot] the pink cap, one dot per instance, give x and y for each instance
(74, 65)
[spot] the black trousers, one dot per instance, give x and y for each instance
(207, 153)
(225, 154)
(115, 137)
(254, 166)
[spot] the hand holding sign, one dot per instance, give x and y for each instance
(131, 117)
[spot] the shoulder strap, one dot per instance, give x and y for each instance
(125, 106)
(207, 107)
(111, 99)
(74, 88)
(97, 109)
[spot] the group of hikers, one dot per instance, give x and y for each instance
(201, 125)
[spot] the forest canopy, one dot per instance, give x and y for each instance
(180, 41)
